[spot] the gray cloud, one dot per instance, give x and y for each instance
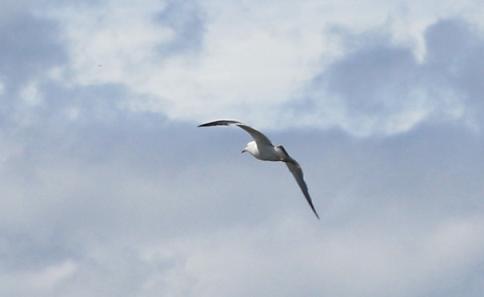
(384, 88)
(114, 196)
(101, 201)
(30, 46)
(455, 58)
(187, 21)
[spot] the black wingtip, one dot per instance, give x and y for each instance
(209, 124)
(206, 124)
(312, 207)
(315, 212)
(219, 123)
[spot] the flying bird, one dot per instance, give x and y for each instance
(263, 149)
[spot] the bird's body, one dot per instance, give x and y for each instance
(263, 149)
(264, 152)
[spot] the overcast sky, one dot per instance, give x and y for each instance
(108, 189)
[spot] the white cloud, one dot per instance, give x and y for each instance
(41, 282)
(97, 200)
(30, 94)
(52, 275)
(280, 257)
(255, 57)
(133, 215)
(110, 40)
(292, 256)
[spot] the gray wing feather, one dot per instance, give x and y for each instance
(297, 172)
(256, 135)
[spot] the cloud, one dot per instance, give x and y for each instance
(31, 46)
(381, 88)
(202, 60)
(108, 188)
(187, 22)
(113, 197)
(456, 60)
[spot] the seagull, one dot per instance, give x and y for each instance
(263, 149)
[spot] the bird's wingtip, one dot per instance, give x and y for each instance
(206, 124)
(219, 123)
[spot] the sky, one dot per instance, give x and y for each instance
(108, 188)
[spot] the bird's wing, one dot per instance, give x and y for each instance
(219, 123)
(256, 135)
(297, 172)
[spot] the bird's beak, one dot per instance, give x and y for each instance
(243, 151)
